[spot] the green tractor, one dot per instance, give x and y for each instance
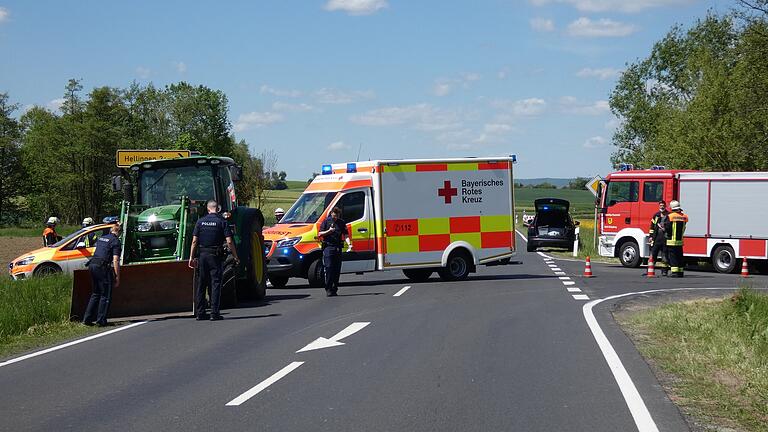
(158, 220)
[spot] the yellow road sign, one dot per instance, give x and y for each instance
(594, 185)
(126, 158)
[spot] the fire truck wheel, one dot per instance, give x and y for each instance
(724, 259)
(629, 255)
(459, 265)
(418, 275)
(278, 281)
(316, 273)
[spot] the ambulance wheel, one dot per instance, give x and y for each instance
(418, 275)
(629, 255)
(278, 281)
(724, 259)
(457, 268)
(316, 273)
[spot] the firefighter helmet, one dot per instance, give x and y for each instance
(674, 205)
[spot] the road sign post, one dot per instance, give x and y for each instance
(594, 186)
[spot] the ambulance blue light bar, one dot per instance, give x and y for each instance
(352, 167)
(327, 169)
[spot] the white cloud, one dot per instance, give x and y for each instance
(4, 14)
(595, 142)
(444, 86)
(626, 6)
(55, 104)
(497, 128)
(335, 96)
(338, 146)
(143, 72)
(585, 27)
(542, 24)
(571, 105)
(599, 73)
(256, 120)
(265, 89)
(522, 107)
(422, 116)
(357, 7)
(181, 67)
(612, 124)
(297, 107)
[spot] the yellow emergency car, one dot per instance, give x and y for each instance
(418, 216)
(66, 255)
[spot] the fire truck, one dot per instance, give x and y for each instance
(420, 216)
(726, 210)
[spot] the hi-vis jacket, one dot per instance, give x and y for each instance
(675, 227)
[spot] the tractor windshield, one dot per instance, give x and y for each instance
(308, 208)
(164, 186)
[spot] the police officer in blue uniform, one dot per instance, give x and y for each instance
(104, 267)
(208, 239)
(333, 231)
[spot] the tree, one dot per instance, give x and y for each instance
(314, 174)
(11, 171)
(262, 184)
(698, 101)
(578, 183)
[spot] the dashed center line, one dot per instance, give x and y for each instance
(580, 297)
(573, 289)
(564, 278)
(560, 273)
(556, 269)
(569, 283)
(402, 291)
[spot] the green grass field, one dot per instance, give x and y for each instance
(62, 230)
(713, 355)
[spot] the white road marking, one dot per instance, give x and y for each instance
(544, 255)
(557, 269)
(552, 265)
(402, 291)
(525, 238)
(569, 283)
(573, 289)
(564, 278)
(580, 297)
(264, 384)
(560, 273)
(335, 340)
(69, 344)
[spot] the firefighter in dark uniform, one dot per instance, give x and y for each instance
(658, 239)
(208, 239)
(104, 267)
(675, 230)
(333, 231)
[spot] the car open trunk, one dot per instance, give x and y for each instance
(551, 217)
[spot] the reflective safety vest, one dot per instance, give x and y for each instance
(657, 224)
(675, 226)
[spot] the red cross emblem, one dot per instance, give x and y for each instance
(447, 191)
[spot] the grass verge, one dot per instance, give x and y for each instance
(35, 313)
(62, 230)
(714, 354)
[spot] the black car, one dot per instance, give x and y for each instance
(552, 226)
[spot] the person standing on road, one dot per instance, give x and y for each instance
(333, 231)
(210, 232)
(675, 229)
(657, 238)
(49, 233)
(105, 275)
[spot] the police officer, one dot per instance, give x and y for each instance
(279, 213)
(333, 230)
(675, 229)
(105, 275)
(208, 237)
(657, 237)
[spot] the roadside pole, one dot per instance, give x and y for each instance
(594, 186)
(576, 243)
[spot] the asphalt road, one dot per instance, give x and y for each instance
(510, 349)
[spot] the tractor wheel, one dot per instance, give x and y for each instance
(253, 286)
(278, 281)
(229, 283)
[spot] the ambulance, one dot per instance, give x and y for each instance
(420, 216)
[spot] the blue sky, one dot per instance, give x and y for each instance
(319, 80)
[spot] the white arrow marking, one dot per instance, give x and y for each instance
(322, 342)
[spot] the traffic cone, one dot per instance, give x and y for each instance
(744, 268)
(588, 268)
(651, 268)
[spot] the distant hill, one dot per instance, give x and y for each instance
(559, 182)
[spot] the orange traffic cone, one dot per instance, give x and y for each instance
(651, 268)
(588, 268)
(744, 268)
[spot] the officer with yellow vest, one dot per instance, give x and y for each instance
(675, 229)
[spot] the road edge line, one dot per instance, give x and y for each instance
(253, 391)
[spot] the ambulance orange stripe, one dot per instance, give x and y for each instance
(362, 245)
(492, 165)
(305, 248)
(434, 242)
(336, 186)
(402, 227)
(432, 167)
(496, 239)
(465, 224)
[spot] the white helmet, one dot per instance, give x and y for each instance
(53, 220)
(674, 205)
(279, 211)
(87, 221)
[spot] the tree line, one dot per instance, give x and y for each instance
(60, 163)
(700, 99)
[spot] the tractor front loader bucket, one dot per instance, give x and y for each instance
(145, 289)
